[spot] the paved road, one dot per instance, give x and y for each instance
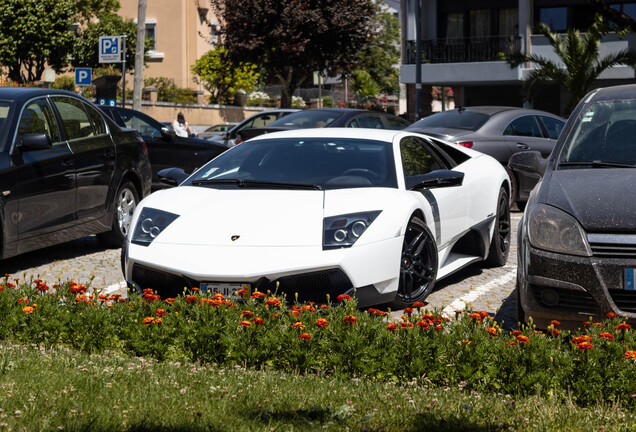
(476, 287)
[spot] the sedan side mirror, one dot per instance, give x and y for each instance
(35, 141)
(435, 179)
(168, 133)
(172, 176)
(529, 162)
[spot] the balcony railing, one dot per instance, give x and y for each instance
(460, 50)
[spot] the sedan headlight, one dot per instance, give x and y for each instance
(554, 230)
(150, 224)
(343, 231)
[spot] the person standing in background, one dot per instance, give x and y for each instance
(181, 126)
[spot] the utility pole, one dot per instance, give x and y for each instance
(139, 55)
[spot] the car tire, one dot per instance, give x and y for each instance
(500, 241)
(126, 201)
(418, 265)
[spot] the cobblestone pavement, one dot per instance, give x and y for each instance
(475, 287)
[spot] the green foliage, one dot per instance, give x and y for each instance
(87, 9)
(222, 77)
(85, 53)
(34, 34)
(168, 91)
(366, 88)
(64, 83)
(579, 56)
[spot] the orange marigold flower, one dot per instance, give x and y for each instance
(158, 320)
(294, 313)
(258, 321)
(408, 311)
(484, 314)
(555, 323)
(148, 291)
(511, 343)
(192, 299)
(258, 295)
(308, 308)
(27, 310)
(475, 316)
(606, 336)
(586, 323)
(273, 301)
(492, 331)
(169, 300)
(23, 300)
(276, 315)
(375, 312)
(523, 339)
(466, 341)
(630, 355)
(161, 312)
(350, 319)
(324, 306)
(424, 324)
(241, 292)
(554, 332)
(516, 332)
(304, 336)
(343, 297)
(406, 325)
(612, 315)
(298, 325)
(218, 296)
(322, 323)
(623, 326)
(418, 305)
(149, 320)
(42, 286)
(391, 327)
(438, 327)
(583, 346)
(76, 289)
(247, 313)
(245, 323)
(579, 339)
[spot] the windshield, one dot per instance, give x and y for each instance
(323, 163)
(467, 120)
(604, 133)
(308, 119)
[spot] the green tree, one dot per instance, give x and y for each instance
(222, 77)
(366, 88)
(290, 39)
(579, 65)
(87, 9)
(34, 34)
(85, 53)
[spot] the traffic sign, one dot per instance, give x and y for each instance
(83, 76)
(110, 49)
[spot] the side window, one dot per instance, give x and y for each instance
(524, 126)
(417, 157)
(553, 126)
(97, 119)
(142, 126)
(37, 117)
(370, 122)
(74, 118)
(397, 123)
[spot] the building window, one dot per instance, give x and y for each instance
(480, 23)
(556, 18)
(454, 25)
(508, 22)
(151, 35)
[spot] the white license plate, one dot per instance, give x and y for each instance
(630, 279)
(229, 290)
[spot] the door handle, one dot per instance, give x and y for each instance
(67, 162)
(523, 146)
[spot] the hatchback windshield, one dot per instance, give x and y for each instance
(457, 119)
(604, 134)
(316, 163)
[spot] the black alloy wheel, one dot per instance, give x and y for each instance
(418, 265)
(500, 242)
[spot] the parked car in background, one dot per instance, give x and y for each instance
(577, 238)
(258, 120)
(499, 132)
(166, 149)
(331, 117)
(66, 171)
(217, 129)
(376, 214)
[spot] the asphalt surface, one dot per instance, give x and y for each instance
(473, 288)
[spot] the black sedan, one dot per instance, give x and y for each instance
(330, 117)
(166, 149)
(499, 132)
(66, 171)
(577, 238)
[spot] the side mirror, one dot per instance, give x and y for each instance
(172, 176)
(529, 162)
(168, 133)
(35, 141)
(435, 179)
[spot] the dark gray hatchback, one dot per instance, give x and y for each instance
(66, 171)
(577, 237)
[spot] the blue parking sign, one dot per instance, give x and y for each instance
(109, 49)
(83, 76)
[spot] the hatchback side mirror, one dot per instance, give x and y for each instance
(529, 162)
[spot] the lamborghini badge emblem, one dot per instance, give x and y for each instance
(235, 237)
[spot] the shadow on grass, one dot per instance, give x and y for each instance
(430, 421)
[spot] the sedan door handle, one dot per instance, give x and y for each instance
(523, 146)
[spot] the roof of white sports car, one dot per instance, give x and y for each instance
(359, 133)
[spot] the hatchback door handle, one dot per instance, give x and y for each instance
(523, 146)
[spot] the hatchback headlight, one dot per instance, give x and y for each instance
(343, 231)
(554, 230)
(150, 223)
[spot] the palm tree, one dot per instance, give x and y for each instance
(580, 64)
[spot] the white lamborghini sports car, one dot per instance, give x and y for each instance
(376, 214)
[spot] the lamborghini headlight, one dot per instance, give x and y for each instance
(554, 230)
(150, 224)
(342, 231)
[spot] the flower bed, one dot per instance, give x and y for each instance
(471, 350)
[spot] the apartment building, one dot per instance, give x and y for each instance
(460, 42)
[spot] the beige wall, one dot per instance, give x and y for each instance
(198, 114)
(179, 30)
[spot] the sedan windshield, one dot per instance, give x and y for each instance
(315, 163)
(457, 119)
(308, 119)
(603, 136)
